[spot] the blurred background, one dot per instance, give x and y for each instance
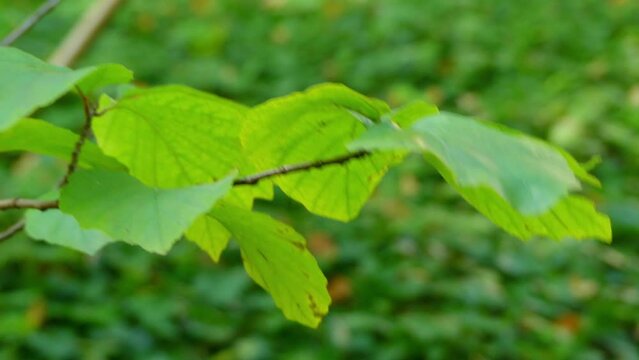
(419, 274)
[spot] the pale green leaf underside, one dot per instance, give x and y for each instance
(389, 134)
(316, 125)
(28, 83)
(276, 257)
(520, 183)
(57, 228)
(526, 172)
(40, 137)
(529, 174)
(127, 210)
(571, 216)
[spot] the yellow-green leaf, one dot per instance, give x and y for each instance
(276, 257)
(317, 125)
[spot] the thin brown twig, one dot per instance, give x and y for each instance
(12, 230)
(89, 112)
(30, 22)
(247, 180)
(8, 204)
(287, 169)
(18, 203)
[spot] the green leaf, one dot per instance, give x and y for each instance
(127, 210)
(104, 75)
(276, 257)
(409, 114)
(209, 235)
(571, 217)
(389, 135)
(40, 137)
(58, 228)
(28, 83)
(343, 97)
(528, 173)
(581, 171)
(317, 125)
(522, 184)
(173, 136)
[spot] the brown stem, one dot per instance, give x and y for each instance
(287, 169)
(89, 112)
(247, 180)
(17, 203)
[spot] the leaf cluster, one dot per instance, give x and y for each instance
(172, 162)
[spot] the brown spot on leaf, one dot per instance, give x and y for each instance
(300, 246)
(263, 256)
(317, 312)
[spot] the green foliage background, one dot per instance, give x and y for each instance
(419, 274)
